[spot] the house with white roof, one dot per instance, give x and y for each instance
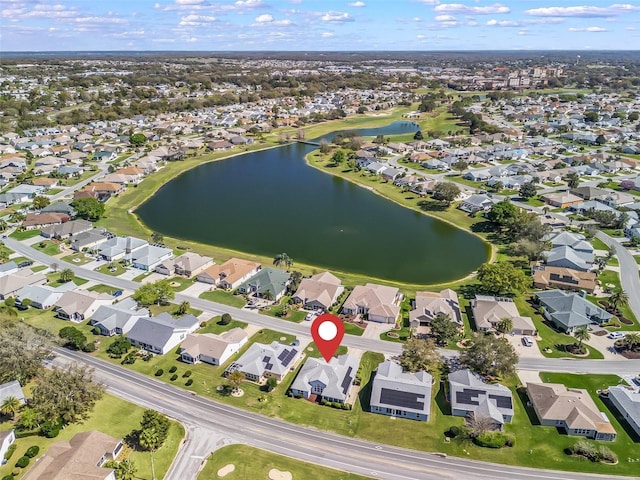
(44, 296)
(569, 311)
(116, 248)
(117, 319)
(149, 257)
(627, 402)
(330, 381)
(12, 389)
(162, 333)
(401, 394)
(262, 361)
(79, 305)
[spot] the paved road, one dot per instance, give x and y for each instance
(211, 419)
(629, 277)
(630, 367)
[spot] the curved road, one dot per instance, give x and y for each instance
(621, 367)
(306, 444)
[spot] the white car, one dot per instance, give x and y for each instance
(311, 316)
(615, 335)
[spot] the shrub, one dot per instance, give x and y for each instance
(89, 347)
(491, 439)
(225, 319)
(456, 431)
(23, 462)
(606, 455)
(345, 406)
(173, 369)
(32, 451)
(159, 372)
(187, 374)
(7, 477)
(174, 377)
(129, 359)
(189, 382)
(203, 324)
(50, 429)
(336, 405)
(10, 450)
(585, 449)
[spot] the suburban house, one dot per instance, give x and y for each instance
(78, 305)
(266, 280)
(570, 409)
(261, 361)
(489, 311)
(545, 277)
(568, 311)
(470, 395)
(149, 256)
(627, 401)
(12, 283)
(212, 348)
(576, 241)
(162, 333)
(67, 229)
(116, 248)
(187, 264)
(81, 457)
(561, 199)
(428, 305)
(90, 240)
(117, 319)
(318, 292)
(230, 274)
(7, 437)
(327, 381)
(567, 257)
(378, 302)
(8, 268)
(40, 220)
(476, 203)
(44, 296)
(11, 389)
(401, 394)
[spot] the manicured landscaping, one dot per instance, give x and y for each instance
(261, 462)
(172, 309)
(292, 315)
(214, 326)
(117, 418)
(18, 235)
(114, 269)
(77, 259)
(599, 244)
(48, 247)
(54, 279)
(351, 329)
(226, 298)
(180, 284)
(102, 288)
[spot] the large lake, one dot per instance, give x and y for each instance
(271, 201)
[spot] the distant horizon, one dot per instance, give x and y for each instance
(314, 25)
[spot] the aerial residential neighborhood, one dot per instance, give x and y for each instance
(175, 226)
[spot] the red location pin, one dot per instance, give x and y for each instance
(327, 331)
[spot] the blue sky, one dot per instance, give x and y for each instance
(211, 25)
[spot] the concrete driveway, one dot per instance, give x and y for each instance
(197, 289)
(521, 350)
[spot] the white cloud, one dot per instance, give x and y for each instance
(416, 19)
(357, 4)
(445, 18)
(248, 3)
(587, 29)
(326, 34)
(99, 20)
(631, 29)
(189, 2)
(265, 18)
(502, 23)
(429, 2)
(582, 11)
(336, 17)
(196, 20)
(465, 9)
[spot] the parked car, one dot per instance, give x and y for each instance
(295, 343)
(26, 263)
(310, 316)
(527, 341)
(117, 293)
(615, 335)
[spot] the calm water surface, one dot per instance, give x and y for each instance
(271, 201)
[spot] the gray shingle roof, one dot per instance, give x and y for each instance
(570, 309)
(337, 375)
(416, 386)
(468, 392)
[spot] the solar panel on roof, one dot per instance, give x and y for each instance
(467, 395)
(415, 401)
(290, 355)
(283, 354)
(346, 381)
(502, 401)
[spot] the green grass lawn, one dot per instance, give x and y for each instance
(102, 288)
(296, 316)
(77, 259)
(599, 244)
(25, 234)
(171, 308)
(262, 462)
(226, 298)
(54, 191)
(48, 247)
(180, 284)
(142, 276)
(54, 279)
(117, 418)
(119, 269)
(19, 260)
(214, 326)
(551, 338)
(609, 277)
(351, 329)
(39, 268)
(637, 257)
(613, 261)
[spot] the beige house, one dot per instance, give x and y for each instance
(378, 302)
(545, 276)
(561, 199)
(212, 348)
(81, 457)
(187, 264)
(571, 409)
(78, 305)
(489, 311)
(428, 305)
(231, 274)
(319, 292)
(11, 284)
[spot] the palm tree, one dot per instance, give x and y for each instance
(8, 311)
(619, 298)
(611, 251)
(504, 325)
(235, 379)
(127, 470)
(632, 340)
(3, 225)
(10, 406)
(581, 334)
(183, 308)
(282, 259)
(267, 295)
(148, 440)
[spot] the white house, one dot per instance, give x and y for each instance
(162, 333)
(212, 348)
(330, 381)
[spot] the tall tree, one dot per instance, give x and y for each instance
(69, 394)
(10, 406)
(490, 355)
(505, 325)
(88, 208)
(527, 190)
(235, 379)
(183, 308)
(619, 298)
(154, 292)
(501, 278)
(154, 428)
(67, 275)
(40, 201)
(582, 335)
(446, 192)
(282, 259)
(418, 355)
(443, 329)
(23, 351)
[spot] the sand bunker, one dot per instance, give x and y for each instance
(275, 474)
(226, 470)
